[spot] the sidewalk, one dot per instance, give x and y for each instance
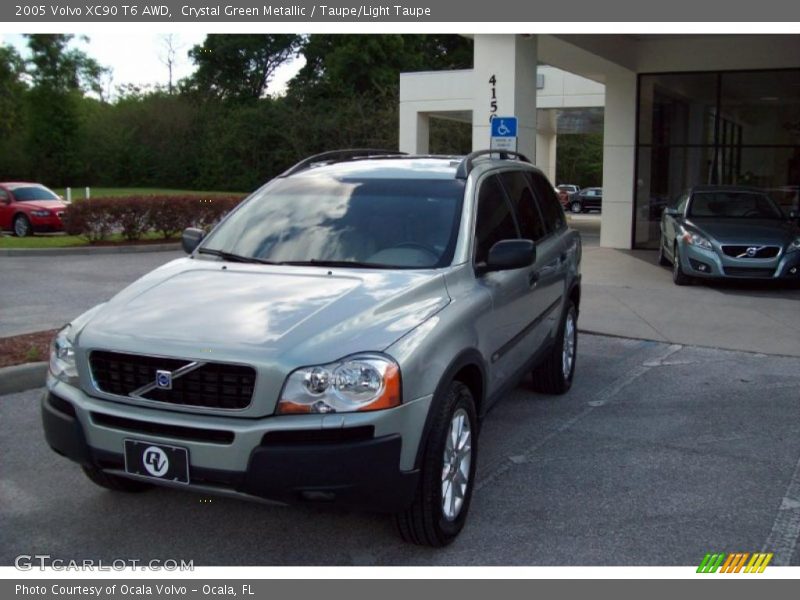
(626, 293)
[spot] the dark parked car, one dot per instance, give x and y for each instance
(729, 232)
(565, 190)
(27, 208)
(587, 199)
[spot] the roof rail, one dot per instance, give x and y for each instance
(339, 155)
(466, 165)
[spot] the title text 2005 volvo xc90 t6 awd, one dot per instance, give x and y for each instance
(337, 337)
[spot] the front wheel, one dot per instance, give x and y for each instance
(22, 226)
(554, 375)
(443, 496)
(576, 208)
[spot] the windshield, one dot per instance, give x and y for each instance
(33, 192)
(401, 223)
(734, 205)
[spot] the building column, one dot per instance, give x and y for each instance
(512, 61)
(546, 142)
(414, 135)
(619, 159)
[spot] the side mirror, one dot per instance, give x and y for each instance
(511, 254)
(671, 211)
(191, 238)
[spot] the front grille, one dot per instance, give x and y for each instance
(195, 434)
(749, 272)
(211, 385)
(760, 251)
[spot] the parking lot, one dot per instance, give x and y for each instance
(661, 452)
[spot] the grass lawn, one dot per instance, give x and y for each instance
(64, 241)
(78, 193)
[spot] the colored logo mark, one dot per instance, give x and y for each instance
(735, 562)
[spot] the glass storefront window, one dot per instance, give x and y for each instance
(729, 128)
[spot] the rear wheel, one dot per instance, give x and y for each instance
(576, 207)
(554, 375)
(442, 501)
(678, 276)
(22, 226)
(113, 482)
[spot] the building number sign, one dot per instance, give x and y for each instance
(493, 101)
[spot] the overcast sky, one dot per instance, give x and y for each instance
(137, 57)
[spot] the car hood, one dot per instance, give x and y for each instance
(746, 231)
(48, 204)
(267, 315)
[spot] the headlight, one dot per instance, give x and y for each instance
(356, 383)
(62, 358)
(40, 213)
(695, 239)
(795, 245)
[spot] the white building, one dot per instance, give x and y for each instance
(679, 110)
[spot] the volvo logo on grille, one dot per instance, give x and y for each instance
(752, 251)
(164, 380)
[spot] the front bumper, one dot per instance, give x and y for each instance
(49, 224)
(713, 264)
(363, 460)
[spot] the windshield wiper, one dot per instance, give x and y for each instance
(231, 257)
(354, 264)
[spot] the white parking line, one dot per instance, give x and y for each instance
(782, 540)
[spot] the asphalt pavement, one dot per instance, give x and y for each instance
(45, 292)
(659, 454)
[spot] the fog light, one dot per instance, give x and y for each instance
(699, 266)
(793, 270)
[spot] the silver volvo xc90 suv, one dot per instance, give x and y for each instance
(336, 338)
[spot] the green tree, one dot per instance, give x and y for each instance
(371, 64)
(12, 89)
(60, 76)
(238, 66)
(579, 159)
(59, 68)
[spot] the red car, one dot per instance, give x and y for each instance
(28, 208)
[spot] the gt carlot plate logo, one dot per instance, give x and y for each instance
(155, 461)
(735, 562)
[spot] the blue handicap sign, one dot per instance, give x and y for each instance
(504, 127)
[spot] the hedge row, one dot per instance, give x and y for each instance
(134, 216)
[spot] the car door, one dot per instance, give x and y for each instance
(552, 254)
(5, 209)
(504, 330)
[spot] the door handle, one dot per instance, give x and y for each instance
(533, 278)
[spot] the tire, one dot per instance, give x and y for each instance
(427, 522)
(115, 483)
(678, 276)
(22, 226)
(576, 208)
(662, 259)
(554, 374)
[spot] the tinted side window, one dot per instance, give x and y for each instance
(548, 203)
(530, 223)
(494, 221)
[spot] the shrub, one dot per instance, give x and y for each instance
(134, 216)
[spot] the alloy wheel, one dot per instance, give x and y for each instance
(456, 464)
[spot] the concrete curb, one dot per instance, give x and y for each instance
(124, 249)
(19, 378)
